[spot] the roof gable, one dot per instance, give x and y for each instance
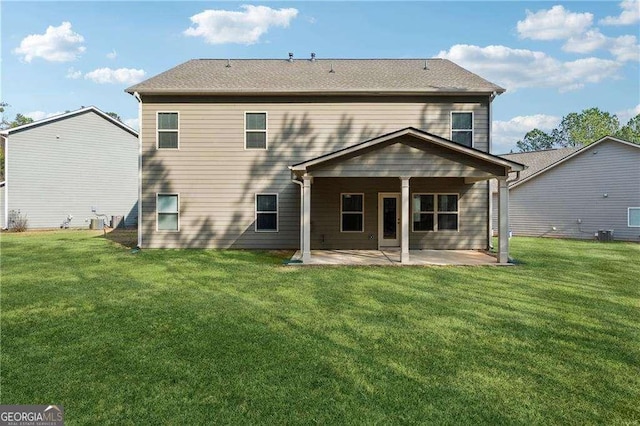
(320, 76)
(421, 140)
(90, 109)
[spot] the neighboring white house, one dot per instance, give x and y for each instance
(575, 193)
(80, 165)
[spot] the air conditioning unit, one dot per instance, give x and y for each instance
(605, 235)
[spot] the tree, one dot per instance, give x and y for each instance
(535, 140)
(114, 116)
(585, 128)
(20, 120)
(630, 131)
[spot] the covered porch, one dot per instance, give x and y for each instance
(392, 257)
(401, 195)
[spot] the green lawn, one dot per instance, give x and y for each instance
(234, 337)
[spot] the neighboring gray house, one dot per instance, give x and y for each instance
(318, 154)
(574, 193)
(81, 164)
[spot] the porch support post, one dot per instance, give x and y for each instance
(404, 246)
(503, 220)
(306, 218)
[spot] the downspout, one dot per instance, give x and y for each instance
(294, 180)
(490, 219)
(137, 96)
(6, 181)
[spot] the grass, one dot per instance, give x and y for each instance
(234, 337)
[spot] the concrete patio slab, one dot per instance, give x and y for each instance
(392, 257)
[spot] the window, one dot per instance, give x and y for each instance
(462, 128)
(352, 213)
(168, 207)
(266, 213)
(255, 124)
(435, 212)
(167, 124)
(633, 219)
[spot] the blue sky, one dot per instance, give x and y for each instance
(552, 57)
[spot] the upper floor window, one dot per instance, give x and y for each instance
(462, 128)
(168, 128)
(255, 126)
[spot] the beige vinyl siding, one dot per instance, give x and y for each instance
(325, 207)
(217, 178)
(575, 190)
(2, 216)
(65, 167)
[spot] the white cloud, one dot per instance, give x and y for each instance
(132, 122)
(625, 115)
(586, 42)
(225, 26)
(522, 68)
(553, 24)
(630, 14)
(625, 48)
(73, 74)
(112, 55)
(120, 75)
(41, 115)
(57, 44)
(507, 133)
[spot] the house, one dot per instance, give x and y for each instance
(318, 154)
(69, 168)
(574, 193)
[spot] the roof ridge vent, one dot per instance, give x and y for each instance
(313, 57)
(290, 57)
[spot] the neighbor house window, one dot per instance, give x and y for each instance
(352, 212)
(255, 130)
(266, 213)
(168, 128)
(633, 219)
(168, 207)
(462, 128)
(435, 212)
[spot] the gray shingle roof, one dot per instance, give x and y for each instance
(263, 76)
(538, 160)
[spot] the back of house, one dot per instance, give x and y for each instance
(229, 146)
(67, 169)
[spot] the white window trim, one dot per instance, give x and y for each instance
(266, 131)
(435, 212)
(167, 130)
(473, 126)
(158, 213)
(629, 225)
(277, 212)
(360, 213)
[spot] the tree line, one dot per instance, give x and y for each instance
(579, 129)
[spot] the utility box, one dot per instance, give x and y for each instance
(605, 235)
(117, 222)
(96, 224)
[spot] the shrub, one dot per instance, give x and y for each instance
(17, 221)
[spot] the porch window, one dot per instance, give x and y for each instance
(462, 128)
(255, 130)
(168, 212)
(167, 124)
(435, 212)
(266, 213)
(352, 213)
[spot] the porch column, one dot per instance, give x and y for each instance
(306, 219)
(503, 220)
(404, 246)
